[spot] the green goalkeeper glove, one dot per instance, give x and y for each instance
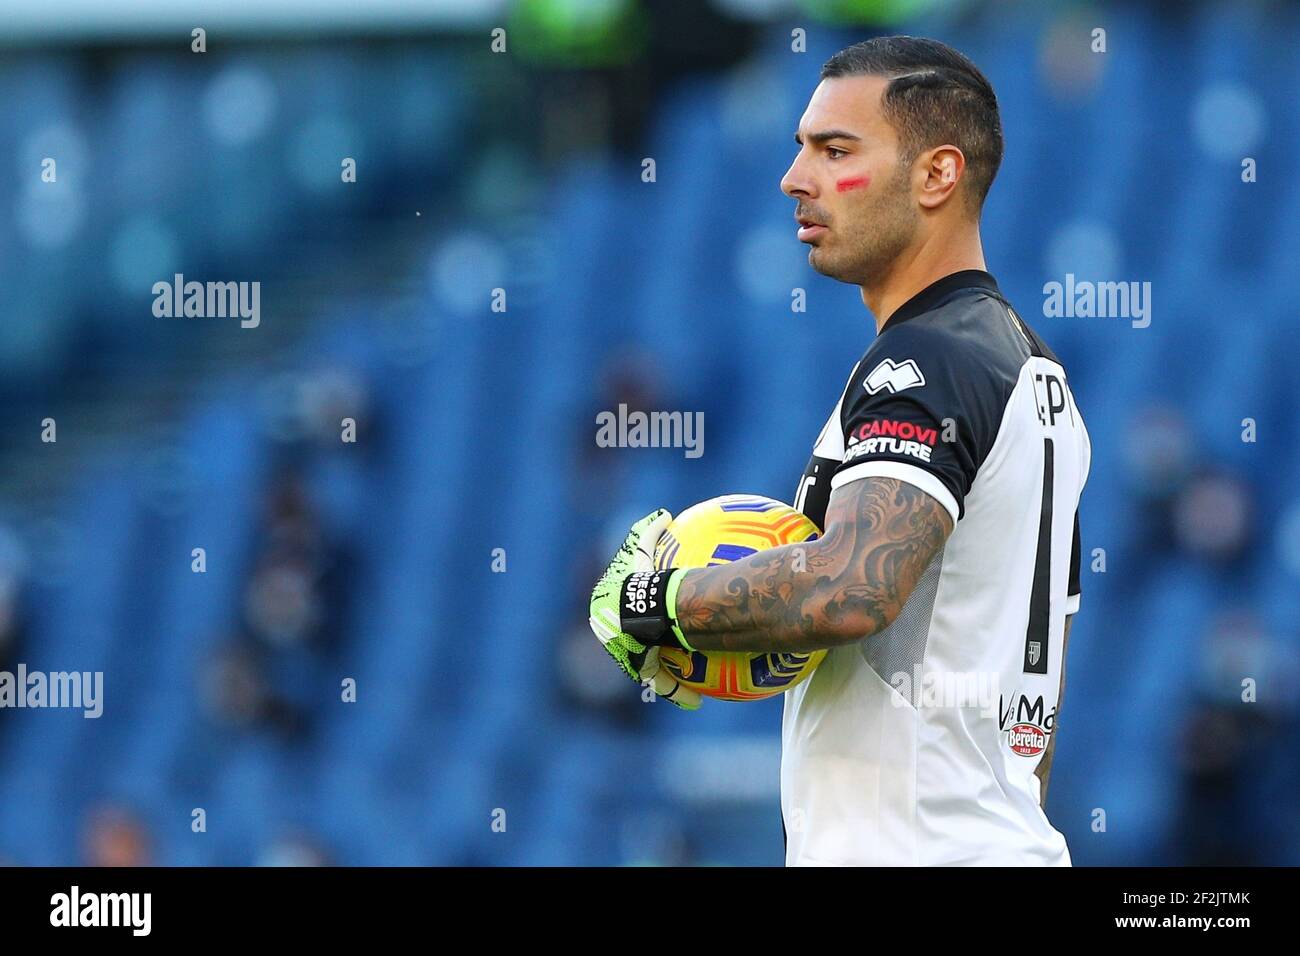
(631, 611)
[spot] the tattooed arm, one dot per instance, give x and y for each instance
(881, 534)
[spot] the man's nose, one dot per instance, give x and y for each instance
(796, 184)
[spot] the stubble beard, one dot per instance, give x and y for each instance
(867, 254)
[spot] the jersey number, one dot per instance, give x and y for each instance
(804, 484)
(1036, 633)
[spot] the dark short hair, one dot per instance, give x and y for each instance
(935, 96)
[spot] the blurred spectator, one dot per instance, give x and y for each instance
(1235, 737)
(1240, 648)
(284, 603)
(13, 585)
(297, 849)
(11, 620)
(116, 837)
(238, 692)
(655, 838)
(1212, 517)
(273, 674)
(1158, 456)
(626, 379)
(1071, 69)
(304, 411)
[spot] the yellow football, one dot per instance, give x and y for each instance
(719, 531)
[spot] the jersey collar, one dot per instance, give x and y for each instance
(936, 292)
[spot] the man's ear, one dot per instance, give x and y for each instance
(941, 169)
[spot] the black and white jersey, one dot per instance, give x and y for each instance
(917, 746)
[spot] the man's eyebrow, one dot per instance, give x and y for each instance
(826, 135)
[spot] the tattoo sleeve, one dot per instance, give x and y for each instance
(881, 534)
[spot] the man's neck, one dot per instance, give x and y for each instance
(920, 267)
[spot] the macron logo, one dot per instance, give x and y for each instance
(893, 377)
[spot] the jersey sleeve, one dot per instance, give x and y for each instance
(921, 409)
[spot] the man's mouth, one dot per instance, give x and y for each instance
(808, 228)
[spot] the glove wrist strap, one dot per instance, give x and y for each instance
(674, 582)
(645, 606)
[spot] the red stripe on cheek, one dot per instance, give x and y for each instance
(844, 185)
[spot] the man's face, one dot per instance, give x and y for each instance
(855, 204)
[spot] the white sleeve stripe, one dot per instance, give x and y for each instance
(902, 471)
(1072, 604)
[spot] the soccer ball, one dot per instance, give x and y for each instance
(719, 531)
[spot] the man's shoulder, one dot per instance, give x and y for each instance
(975, 338)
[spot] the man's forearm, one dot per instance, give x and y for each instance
(847, 585)
(760, 604)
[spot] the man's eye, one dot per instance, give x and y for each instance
(834, 152)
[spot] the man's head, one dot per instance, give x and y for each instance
(900, 141)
